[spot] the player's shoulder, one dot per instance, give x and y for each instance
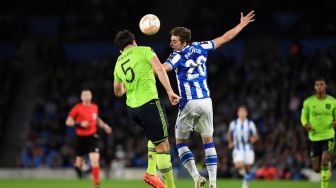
(233, 122)
(204, 44)
(309, 99)
(331, 97)
(77, 106)
(250, 121)
(144, 48)
(174, 56)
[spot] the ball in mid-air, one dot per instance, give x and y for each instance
(149, 24)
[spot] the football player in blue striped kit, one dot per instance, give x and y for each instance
(195, 109)
(241, 136)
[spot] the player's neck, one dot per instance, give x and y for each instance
(242, 119)
(321, 95)
(86, 103)
(129, 46)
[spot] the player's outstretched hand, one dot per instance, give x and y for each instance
(247, 19)
(173, 98)
(335, 124)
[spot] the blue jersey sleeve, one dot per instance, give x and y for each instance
(207, 45)
(173, 59)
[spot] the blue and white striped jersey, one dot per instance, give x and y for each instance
(241, 132)
(190, 67)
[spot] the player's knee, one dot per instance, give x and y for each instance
(317, 169)
(326, 158)
(207, 139)
(94, 163)
(238, 165)
(163, 146)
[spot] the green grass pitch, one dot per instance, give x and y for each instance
(180, 183)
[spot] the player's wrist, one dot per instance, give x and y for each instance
(77, 124)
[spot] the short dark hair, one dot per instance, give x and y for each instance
(123, 38)
(243, 106)
(183, 33)
(320, 78)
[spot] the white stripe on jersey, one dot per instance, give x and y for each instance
(241, 134)
(188, 90)
(198, 90)
(207, 45)
(175, 59)
(206, 87)
(178, 83)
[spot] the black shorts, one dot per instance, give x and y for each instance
(86, 144)
(152, 118)
(317, 147)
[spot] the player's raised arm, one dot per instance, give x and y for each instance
(163, 77)
(229, 35)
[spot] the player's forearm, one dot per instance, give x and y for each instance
(163, 77)
(101, 123)
(304, 119)
(229, 137)
(229, 35)
(167, 67)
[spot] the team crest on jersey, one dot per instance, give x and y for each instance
(94, 116)
(328, 106)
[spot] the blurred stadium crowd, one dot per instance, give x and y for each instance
(272, 82)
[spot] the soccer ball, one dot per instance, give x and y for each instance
(149, 24)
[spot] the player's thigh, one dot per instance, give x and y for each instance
(152, 118)
(92, 144)
(327, 150)
(238, 158)
(316, 149)
(249, 157)
(81, 147)
(185, 121)
(204, 123)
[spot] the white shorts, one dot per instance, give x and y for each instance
(246, 157)
(196, 115)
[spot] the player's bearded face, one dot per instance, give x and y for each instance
(320, 86)
(176, 44)
(86, 96)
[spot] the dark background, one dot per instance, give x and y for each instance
(50, 49)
